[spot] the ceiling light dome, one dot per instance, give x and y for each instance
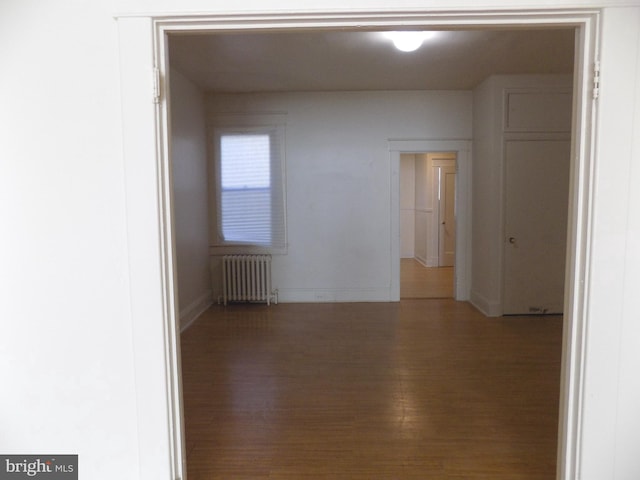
(409, 41)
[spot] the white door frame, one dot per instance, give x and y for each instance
(462, 148)
(145, 124)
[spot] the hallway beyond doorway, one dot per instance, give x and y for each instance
(418, 281)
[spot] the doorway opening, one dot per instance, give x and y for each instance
(443, 165)
(146, 136)
(427, 224)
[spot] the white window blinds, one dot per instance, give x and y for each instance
(250, 187)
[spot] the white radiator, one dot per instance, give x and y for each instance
(247, 278)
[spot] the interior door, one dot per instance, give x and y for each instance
(447, 217)
(536, 203)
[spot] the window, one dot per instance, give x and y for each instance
(249, 188)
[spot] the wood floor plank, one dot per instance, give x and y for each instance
(416, 389)
(418, 281)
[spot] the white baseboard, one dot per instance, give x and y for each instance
(191, 312)
(312, 295)
(421, 261)
(428, 262)
(489, 308)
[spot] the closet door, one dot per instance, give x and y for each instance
(536, 203)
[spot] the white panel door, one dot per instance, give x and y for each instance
(536, 203)
(447, 216)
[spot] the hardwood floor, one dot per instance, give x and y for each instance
(418, 281)
(421, 389)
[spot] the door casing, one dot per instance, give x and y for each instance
(145, 121)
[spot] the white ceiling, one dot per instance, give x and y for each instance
(346, 60)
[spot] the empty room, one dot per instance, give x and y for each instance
(341, 376)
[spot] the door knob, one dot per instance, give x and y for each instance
(512, 240)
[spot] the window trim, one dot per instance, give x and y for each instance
(271, 124)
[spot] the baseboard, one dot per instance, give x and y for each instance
(489, 308)
(313, 295)
(427, 262)
(191, 312)
(421, 261)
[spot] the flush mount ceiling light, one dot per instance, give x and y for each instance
(408, 41)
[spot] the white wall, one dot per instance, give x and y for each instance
(338, 188)
(486, 227)
(190, 196)
(407, 205)
(424, 209)
(66, 350)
